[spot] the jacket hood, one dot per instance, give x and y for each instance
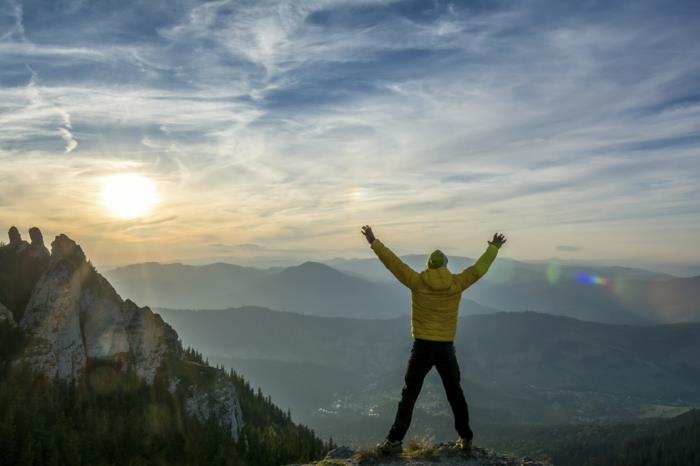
(437, 279)
(436, 260)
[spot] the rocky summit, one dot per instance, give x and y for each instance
(72, 320)
(423, 454)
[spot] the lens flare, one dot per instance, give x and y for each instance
(583, 277)
(553, 272)
(620, 288)
(501, 272)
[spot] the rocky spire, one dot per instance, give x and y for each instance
(36, 236)
(14, 236)
(16, 244)
(21, 266)
(37, 250)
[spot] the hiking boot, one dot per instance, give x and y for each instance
(463, 444)
(387, 447)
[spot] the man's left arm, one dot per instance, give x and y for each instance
(473, 273)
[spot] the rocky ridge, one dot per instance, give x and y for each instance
(421, 454)
(72, 319)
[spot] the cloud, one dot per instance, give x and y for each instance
(250, 248)
(39, 105)
(15, 13)
(67, 136)
(64, 129)
(566, 248)
(294, 122)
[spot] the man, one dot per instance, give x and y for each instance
(435, 296)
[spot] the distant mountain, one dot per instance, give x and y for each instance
(516, 367)
(601, 294)
(675, 300)
(310, 288)
(363, 288)
(504, 268)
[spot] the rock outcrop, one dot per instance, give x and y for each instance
(74, 319)
(75, 316)
(217, 399)
(16, 241)
(21, 265)
(443, 454)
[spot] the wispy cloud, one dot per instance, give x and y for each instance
(565, 248)
(278, 121)
(36, 114)
(13, 11)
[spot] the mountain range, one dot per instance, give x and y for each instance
(311, 287)
(609, 294)
(363, 288)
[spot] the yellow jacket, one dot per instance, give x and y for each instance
(435, 293)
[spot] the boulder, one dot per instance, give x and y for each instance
(340, 453)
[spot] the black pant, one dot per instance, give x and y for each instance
(424, 355)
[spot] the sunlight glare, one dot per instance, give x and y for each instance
(128, 195)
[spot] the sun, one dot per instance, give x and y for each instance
(129, 195)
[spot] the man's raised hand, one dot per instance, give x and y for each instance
(367, 231)
(498, 240)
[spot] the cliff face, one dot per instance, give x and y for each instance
(219, 400)
(73, 318)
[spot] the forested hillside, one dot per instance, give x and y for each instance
(671, 442)
(115, 418)
(676, 444)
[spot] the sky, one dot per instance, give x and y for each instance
(276, 129)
